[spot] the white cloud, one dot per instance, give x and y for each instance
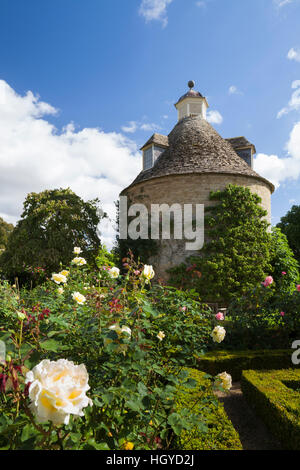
(294, 103)
(155, 10)
(214, 117)
(201, 4)
(34, 156)
(282, 3)
(150, 127)
(233, 90)
(133, 126)
(294, 54)
(276, 169)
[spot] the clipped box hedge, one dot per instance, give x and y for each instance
(221, 434)
(234, 362)
(275, 396)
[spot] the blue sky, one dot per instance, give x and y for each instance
(104, 76)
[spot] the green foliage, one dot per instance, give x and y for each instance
(290, 226)
(235, 362)
(52, 223)
(217, 431)
(236, 254)
(283, 260)
(133, 378)
(106, 258)
(5, 231)
(266, 315)
(274, 396)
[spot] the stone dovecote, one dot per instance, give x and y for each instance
(193, 161)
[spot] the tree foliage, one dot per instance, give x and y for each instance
(290, 226)
(5, 231)
(236, 254)
(284, 264)
(52, 223)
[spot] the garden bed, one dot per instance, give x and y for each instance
(275, 397)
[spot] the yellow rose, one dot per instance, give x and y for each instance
(161, 335)
(79, 298)
(218, 334)
(79, 261)
(64, 272)
(148, 272)
(128, 445)
(114, 272)
(59, 278)
(225, 380)
(57, 390)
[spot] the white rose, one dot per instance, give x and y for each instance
(161, 335)
(77, 250)
(60, 291)
(57, 390)
(79, 298)
(79, 261)
(148, 272)
(225, 380)
(114, 272)
(218, 334)
(59, 278)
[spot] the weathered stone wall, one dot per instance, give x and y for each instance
(188, 189)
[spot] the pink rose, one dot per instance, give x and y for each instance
(182, 309)
(282, 314)
(220, 316)
(268, 281)
(283, 273)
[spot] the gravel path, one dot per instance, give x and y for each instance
(253, 433)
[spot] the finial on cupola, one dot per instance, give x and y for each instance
(191, 104)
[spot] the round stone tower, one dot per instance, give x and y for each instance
(189, 163)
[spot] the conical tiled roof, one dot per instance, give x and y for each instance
(196, 147)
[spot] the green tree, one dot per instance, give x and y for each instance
(5, 231)
(53, 222)
(290, 226)
(283, 261)
(236, 254)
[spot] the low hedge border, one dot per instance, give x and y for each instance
(276, 403)
(221, 434)
(234, 362)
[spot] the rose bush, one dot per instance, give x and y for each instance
(116, 343)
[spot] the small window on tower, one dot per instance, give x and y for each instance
(148, 158)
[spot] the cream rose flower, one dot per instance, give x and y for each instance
(57, 390)
(77, 250)
(65, 273)
(225, 380)
(218, 334)
(78, 261)
(148, 272)
(79, 298)
(114, 272)
(161, 335)
(60, 291)
(59, 278)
